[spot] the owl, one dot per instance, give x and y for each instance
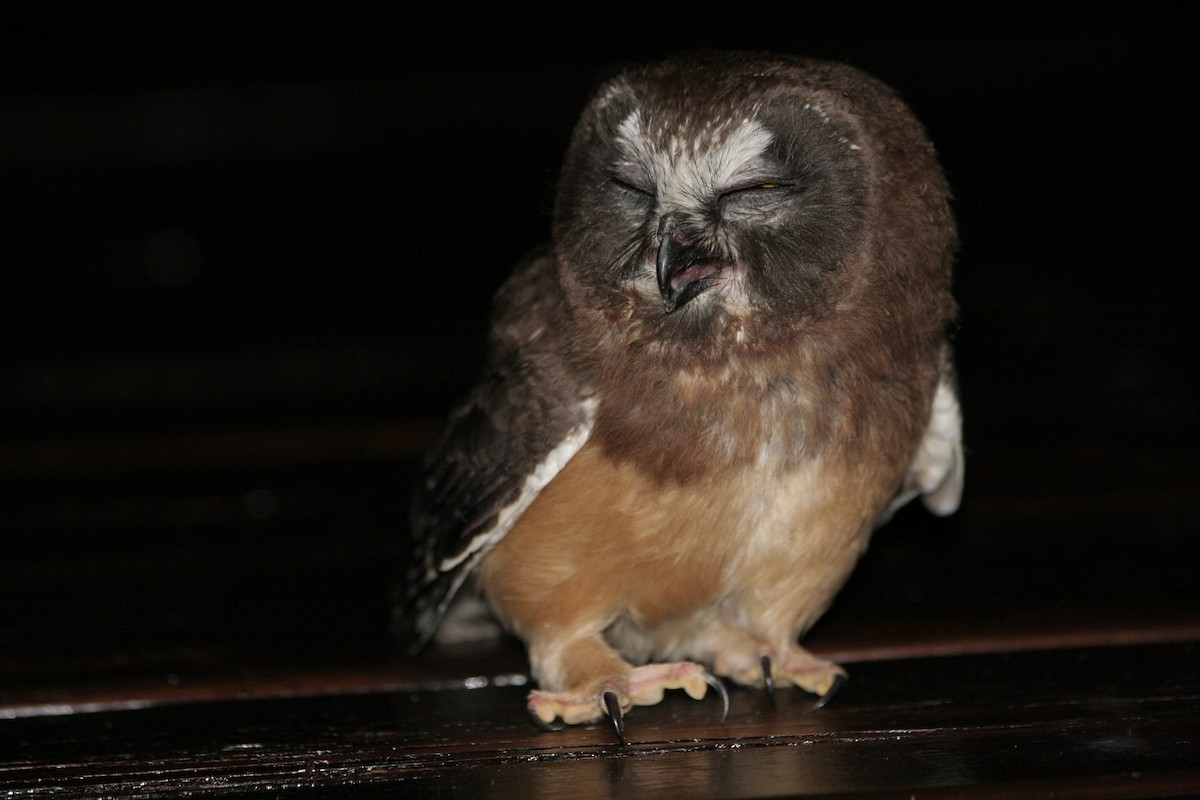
(729, 366)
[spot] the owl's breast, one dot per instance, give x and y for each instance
(684, 425)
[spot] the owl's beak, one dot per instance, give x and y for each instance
(684, 271)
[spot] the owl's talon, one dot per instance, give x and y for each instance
(613, 706)
(768, 678)
(718, 686)
(838, 682)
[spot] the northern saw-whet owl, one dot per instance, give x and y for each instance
(729, 366)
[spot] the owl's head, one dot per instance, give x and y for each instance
(720, 192)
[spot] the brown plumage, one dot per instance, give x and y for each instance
(730, 366)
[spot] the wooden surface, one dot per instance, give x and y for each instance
(1079, 722)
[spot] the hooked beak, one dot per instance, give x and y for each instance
(683, 269)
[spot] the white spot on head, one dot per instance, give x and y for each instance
(819, 111)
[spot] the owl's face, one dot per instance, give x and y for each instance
(699, 196)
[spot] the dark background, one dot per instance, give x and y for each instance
(285, 221)
(283, 203)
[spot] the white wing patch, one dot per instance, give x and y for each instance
(458, 568)
(555, 460)
(937, 470)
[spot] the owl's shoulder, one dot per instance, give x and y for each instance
(526, 306)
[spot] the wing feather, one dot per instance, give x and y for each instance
(517, 428)
(938, 469)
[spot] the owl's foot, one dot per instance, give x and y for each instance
(796, 667)
(644, 686)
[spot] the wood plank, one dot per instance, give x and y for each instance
(1122, 720)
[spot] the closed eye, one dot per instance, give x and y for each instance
(756, 194)
(760, 186)
(630, 186)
